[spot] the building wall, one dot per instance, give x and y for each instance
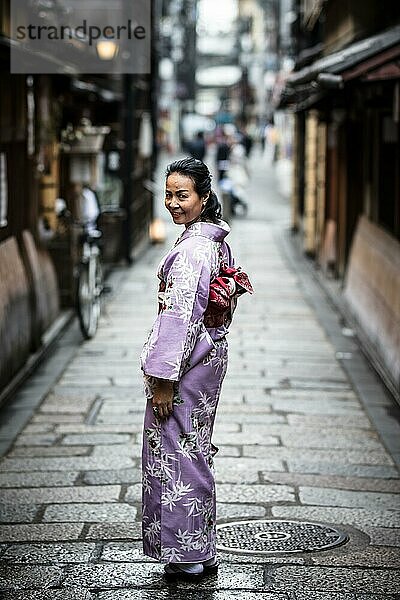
(28, 288)
(372, 292)
(37, 252)
(346, 21)
(350, 158)
(310, 188)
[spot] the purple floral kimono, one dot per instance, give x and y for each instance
(179, 507)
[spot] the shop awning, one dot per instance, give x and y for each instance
(347, 59)
(374, 58)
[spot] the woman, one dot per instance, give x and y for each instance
(184, 362)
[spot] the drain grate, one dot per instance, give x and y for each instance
(267, 537)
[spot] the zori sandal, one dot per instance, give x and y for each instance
(211, 566)
(173, 572)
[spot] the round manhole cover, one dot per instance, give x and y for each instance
(265, 537)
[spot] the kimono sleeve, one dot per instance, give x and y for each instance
(175, 331)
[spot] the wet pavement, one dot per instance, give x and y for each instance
(305, 429)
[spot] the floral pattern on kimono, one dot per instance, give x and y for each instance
(187, 272)
(177, 461)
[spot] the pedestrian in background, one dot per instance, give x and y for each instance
(197, 147)
(239, 176)
(272, 137)
(246, 140)
(222, 156)
(184, 362)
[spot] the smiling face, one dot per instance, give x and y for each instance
(182, 200)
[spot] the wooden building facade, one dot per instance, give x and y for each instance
(51, 127)
(345, 94)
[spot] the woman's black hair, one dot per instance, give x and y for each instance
(201, 177)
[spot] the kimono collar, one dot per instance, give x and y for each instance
(214, 231)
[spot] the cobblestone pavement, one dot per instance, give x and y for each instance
(303, 430)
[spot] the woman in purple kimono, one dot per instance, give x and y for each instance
(184, 362)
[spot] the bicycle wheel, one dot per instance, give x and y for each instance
(88, 294)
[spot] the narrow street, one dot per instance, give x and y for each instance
(305, 429)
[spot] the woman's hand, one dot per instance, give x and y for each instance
(162, 398)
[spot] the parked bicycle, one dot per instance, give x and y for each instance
(88, 274)
(89, 282)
